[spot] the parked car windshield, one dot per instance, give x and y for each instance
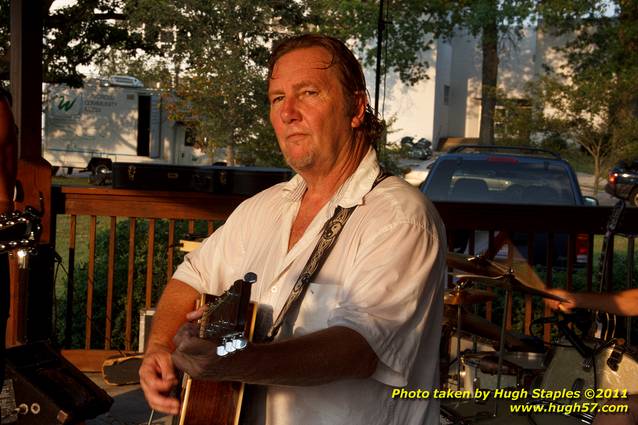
(500, 179)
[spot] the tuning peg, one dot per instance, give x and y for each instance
(221, 351)
(240, 343)
(250, 277)
(229, 346)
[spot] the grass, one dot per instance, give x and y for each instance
(71, 181)
(620, 245)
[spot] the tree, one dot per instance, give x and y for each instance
(213, 62)
(211, 67)
(593, 96)
(76, 35)
(416, 24)
(210, 56)
(581, 111)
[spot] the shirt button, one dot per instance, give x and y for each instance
(273, 289)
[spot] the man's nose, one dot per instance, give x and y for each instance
(289, 110)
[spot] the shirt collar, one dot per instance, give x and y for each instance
(350, 193)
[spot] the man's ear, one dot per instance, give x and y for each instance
(359, 110)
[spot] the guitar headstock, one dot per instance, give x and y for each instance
(224, 320)
(616, 213)
(19, 230)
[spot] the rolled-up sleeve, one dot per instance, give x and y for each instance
(207, 268)
(394, 291)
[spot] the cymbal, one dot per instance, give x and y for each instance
(482, 266)
(475, 264)
(509, 281)
(468, 296)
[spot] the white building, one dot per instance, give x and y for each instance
(448, 104)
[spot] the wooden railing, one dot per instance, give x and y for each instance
(135, 206)
(114, 204)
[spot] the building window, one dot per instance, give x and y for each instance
(446, 94)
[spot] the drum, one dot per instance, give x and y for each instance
(615, 369)
(479, 370)
(448, 366)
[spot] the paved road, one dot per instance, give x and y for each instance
(586, 182)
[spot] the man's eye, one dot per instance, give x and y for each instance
(310, 92)
(276, 99)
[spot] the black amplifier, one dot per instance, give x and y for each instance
(237, 180)
(142, 176)
(217, 179)
(42, 387)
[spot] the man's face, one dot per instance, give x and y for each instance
(308, 111)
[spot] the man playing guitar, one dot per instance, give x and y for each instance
(371, 318)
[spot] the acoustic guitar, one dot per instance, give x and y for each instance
(229, 321)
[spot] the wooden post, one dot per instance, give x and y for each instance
(34, 173)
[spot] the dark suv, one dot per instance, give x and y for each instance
(622, 181)
(507, 175)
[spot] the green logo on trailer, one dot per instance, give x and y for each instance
(65, 105)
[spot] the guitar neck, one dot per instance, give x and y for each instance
(606, 252)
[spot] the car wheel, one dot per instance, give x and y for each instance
(101, 169)
(633, 198)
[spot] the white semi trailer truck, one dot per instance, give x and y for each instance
(113, 120)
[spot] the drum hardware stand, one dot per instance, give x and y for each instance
(501, 345)
(474, 336)
(459, 287)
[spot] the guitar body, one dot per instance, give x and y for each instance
(210, 402)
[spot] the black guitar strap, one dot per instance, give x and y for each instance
(328, 237)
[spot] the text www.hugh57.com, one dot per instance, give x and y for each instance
(568, 409)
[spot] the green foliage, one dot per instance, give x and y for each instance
(212, 65)
(590, 98)
(554, 142)
(77, 34)
(120, 285)
(213, 54)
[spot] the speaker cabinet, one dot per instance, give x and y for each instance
(50, 390)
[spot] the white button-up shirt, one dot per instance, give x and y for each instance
(384, 279)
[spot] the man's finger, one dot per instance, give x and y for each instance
(194, 346)
(196, 314)
(163, 403)
(186, 331)
(186, 363)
